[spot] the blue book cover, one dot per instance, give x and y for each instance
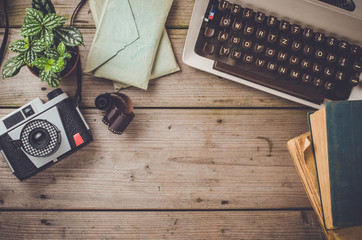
(343, 130)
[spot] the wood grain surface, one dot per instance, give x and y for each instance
(204, 158)
(291, 225)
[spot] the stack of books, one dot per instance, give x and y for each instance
(328, 159)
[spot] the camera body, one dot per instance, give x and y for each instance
(39, 134)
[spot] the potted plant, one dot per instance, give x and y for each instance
(49, 48)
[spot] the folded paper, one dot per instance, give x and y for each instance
(131, 45)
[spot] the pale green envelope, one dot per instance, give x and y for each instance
(131, 44)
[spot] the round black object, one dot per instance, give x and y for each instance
(39, 138)
(103, 101)
(54, 93)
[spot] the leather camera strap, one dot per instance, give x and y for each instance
(6, 33)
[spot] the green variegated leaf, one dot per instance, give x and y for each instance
(44, 75)
(30, 29)
(38, 46)
(70, 36)
(53, 79)
(47, 37)
(62, 21)
(41, 63)
(29, 57)
(33, 15)
(51, 61)
(67, 55)
(61, 48)
(45, 6)
(18, 46)
(52, 53)
(59, 66)
(51, 21)
(12, 66)
(48, 68)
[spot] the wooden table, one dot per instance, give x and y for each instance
(204, 158)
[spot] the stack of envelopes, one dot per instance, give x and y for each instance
(131, 45)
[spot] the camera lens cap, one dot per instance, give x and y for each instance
(103, 101)
(55, 93)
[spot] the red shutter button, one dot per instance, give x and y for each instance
(78, 139)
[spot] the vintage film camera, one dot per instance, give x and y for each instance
(37, 135)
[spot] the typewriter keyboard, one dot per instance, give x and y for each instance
(278, 53)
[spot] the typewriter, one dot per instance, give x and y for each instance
(307, 51)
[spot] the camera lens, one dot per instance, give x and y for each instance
(39, 138)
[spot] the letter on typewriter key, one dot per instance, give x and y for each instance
(258, 48)
(260, 33)
(317, 68)
(296, 46)
(235, 54)
(294, 74)
(270, 52)
(307, 50)
(208, 48)
(248, 30)
(225, 22)
(260, 62)
(331, 58)
(237, 25)
(343, 45)
(271, 66)
(282, 56)
(293, 60)
(319, 54)
(248, 58)
(223, 36)
(224, 51)
(272, 37)
(235, 40)
(246, 44)
(284, 41)
(306, 64)
(282, 70)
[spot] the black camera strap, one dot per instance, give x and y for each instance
(78, 93)
(6, 33)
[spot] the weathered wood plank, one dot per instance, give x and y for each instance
(187, 88)
(179, 15)
(173, 159)
(161, 225)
